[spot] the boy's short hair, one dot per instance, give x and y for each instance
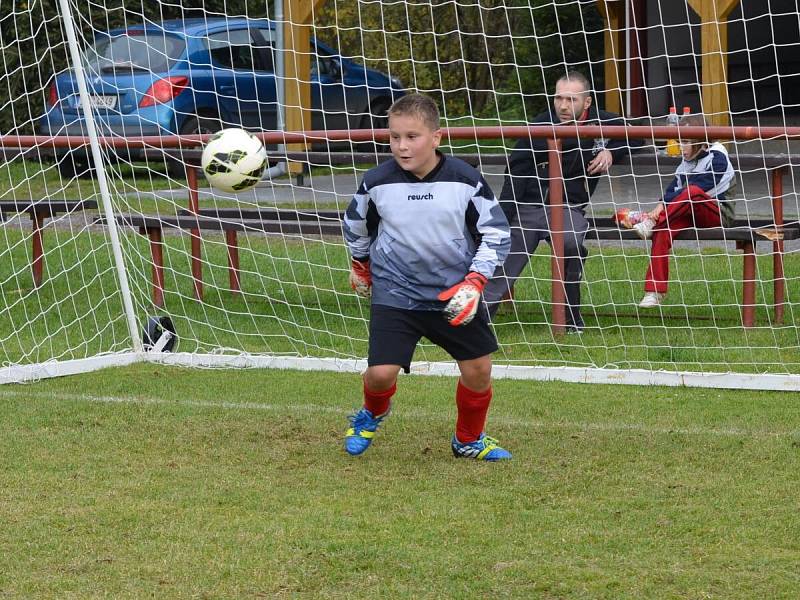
(695, 120)
(417, 105)
(576, 76)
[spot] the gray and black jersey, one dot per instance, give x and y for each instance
(423, 236)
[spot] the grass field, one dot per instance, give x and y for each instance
(151, 481)
(31, 179)
(154, 481)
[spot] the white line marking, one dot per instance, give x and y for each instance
(410, 413)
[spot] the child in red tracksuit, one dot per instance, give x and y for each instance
(694, 198)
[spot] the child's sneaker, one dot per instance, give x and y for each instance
(645, 229)
(484, 448)
(651, 300)
(362, 429)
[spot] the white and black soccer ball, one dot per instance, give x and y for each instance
(233, 160)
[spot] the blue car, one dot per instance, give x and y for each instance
(200, 75)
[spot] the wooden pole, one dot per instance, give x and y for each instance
(297, 69)
(714, 45)
(637, 47)
(613, 12)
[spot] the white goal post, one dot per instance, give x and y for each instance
(107, 222)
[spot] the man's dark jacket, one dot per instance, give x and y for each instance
(528, 180)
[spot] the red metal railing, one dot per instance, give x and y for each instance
(636, 132)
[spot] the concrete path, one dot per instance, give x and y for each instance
(636, 187)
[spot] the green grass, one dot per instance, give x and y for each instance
(150, 481)
(28, 179)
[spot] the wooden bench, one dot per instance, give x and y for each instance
(776, 165)
(231, 222)
(38, 211)
(746, 234)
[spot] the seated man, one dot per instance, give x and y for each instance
(525, 195)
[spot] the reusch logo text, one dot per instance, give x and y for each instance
(428, 196)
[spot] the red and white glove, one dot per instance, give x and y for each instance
(464, 299)
(360, 277)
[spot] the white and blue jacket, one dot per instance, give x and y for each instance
(423, 236)
(710, 170)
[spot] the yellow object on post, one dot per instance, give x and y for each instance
(673, 146)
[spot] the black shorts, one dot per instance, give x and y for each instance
(394, 333)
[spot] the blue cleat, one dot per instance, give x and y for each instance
(362, 430)
(484, 448)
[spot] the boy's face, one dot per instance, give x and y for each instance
(413, 144)
(571, 100)
(691, 148)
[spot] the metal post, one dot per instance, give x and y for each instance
(37, 264)
(233, 260)
(102, 181)
(279, 67)
(779, 283)
(748, 283)
(280, 84)
(194, 233)
(556, 192)
(156, 245)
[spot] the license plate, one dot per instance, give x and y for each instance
(103, 101)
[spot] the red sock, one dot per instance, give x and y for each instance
(378, 402)
(472, 408)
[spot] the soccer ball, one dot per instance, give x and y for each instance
(233, 160)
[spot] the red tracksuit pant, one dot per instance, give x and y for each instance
(678, 215)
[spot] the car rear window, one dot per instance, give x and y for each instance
(135, 51)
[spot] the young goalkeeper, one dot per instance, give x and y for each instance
(425, 232)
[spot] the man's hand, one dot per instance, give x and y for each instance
(600, 163)
(360, 277)
(464, 299)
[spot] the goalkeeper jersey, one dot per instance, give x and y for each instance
(424, 235)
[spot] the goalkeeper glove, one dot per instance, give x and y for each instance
(360, 277)
(464, 299)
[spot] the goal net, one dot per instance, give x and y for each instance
(112, 236)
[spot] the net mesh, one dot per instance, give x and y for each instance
(165, 70)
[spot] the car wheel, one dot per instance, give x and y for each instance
(192, 126)
(200, 125)
(377, 119)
